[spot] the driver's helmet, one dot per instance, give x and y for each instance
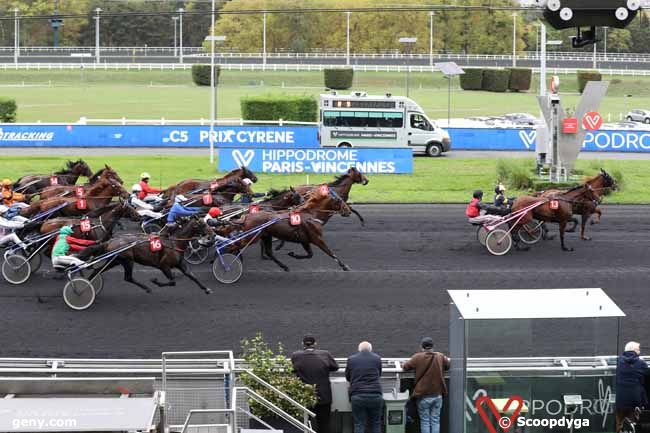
(136, 188)
(179, 198)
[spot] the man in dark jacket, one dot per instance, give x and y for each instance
(363, 372)
(630, 383)
(313, 366)
(430, 387)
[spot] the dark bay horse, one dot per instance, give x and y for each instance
(186, 186)
(222, 195)
(66, 176)
(69, 190)
(168, 258)
(97, 196)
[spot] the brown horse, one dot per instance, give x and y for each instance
(222, 195)
(564, 212)
(310, 230)
(168, 258)
(586, 207)
(67, 176)
(189, 185)
(69, 190)
(97, 196)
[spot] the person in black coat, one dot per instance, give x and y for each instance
(313, 367)
(363, 372)
(631, 371)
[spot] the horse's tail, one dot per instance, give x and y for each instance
(93, 251)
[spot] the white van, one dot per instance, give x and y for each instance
(360, 120)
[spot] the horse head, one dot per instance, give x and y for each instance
(117, 189)
(246, 173)
(112, 174)
(357, 176)
(608, 180)
(80, 168)
(126, 210)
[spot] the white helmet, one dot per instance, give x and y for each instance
(136, 188)
(179, 198)
(247, 181)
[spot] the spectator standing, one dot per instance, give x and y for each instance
(363, 372)
(631, 371)
(430, 388)
(313, 366)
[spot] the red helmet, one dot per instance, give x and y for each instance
(214, 212)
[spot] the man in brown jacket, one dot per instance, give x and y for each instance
(430, 384)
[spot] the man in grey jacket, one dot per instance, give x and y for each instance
(363, 372)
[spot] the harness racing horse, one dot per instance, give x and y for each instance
(586, 206)
(68, 190)
(169, 257)
(562, 215)
(222, 195)
(189, 185)
(67, 176)
(97, 196)
(310, 230)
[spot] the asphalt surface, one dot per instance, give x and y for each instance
(402, 263)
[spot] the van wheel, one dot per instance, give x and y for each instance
(629, 118)
(344, 145)
(647, 120)
(434, 150)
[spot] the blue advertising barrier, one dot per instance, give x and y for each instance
(372, 161)
(156, 136)
(524, 139)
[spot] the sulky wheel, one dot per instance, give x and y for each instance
(35, 261)
(151, 228)
(530, 233)
(195, 254)
(481, 235)
(97, 282)
(227, 268)
(498, 242)
(79, 294)
(16, 269)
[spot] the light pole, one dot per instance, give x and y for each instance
(16, 35)
(408, 43)
(97, 11)
(347, 40)
(264, 42)
(180, 24)
(605, 42)
(514, 39)
(595, 55)
(175, 19)
(431, 14)
(213, 88)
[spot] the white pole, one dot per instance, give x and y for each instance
(347, 40)
(514, 40)
(595, 54)
(605, 41)
(97, 59)
(431, 38)
(16, 35)
(213, 102)
(180, 39)
(264, 44)
(174, 19)
(542, 59)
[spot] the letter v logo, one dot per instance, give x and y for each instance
(528, 137)
(243, 159)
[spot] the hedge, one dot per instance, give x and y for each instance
(496, 80)
(7, 110)
(586, 76)
(201, 74)
(276, 107)
(520, 79)
(472, 79)
(338, 79)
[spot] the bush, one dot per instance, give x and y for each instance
(7, 110)
(586, 76)
(276, 369)
(201, 74)
(472, 79)
(496, 80)
(338, 79)
(520, 79)
(516, 173)
(276, 107)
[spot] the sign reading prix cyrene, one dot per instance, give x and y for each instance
(333, 161)
(366, 135)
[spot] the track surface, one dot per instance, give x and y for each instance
(402, 262)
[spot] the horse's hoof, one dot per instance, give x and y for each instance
(568, 250)
(207, 291)
(291, 254)
(345, 268)
(586, 238)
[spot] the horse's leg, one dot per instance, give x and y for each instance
(575, 222)
(317, 240)
(545, 234)
(267, 245)
(307, 247)
(280, 245)
(168, 273)
(127, 264)
(189, 274)
(599, 214)
(585, 218)
(354, 211)
(562, 230)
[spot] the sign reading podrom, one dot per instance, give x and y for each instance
(372, 161)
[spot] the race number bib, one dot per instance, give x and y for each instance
(54, 180)
(207, 199)
(253, 208)
(85, 225)
(79, 191)
(155, 244)
(324, 190)
(81, 204)
(554, 204)
(294, 218)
